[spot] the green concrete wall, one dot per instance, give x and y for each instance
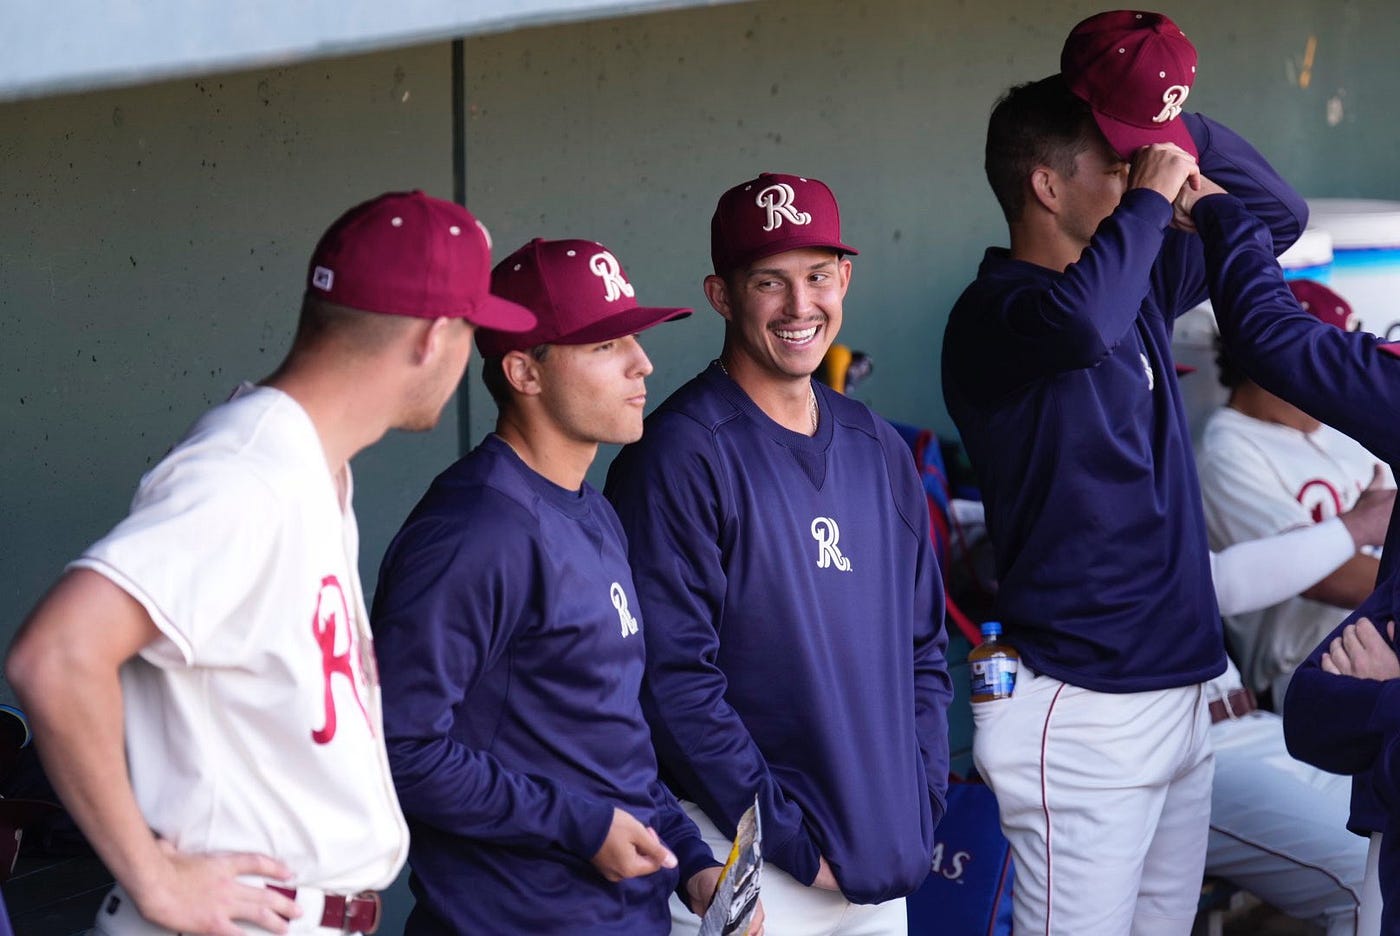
(628, 130)
(153, 245)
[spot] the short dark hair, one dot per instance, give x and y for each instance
(1040, 123)
(357, 330)
(494, 376)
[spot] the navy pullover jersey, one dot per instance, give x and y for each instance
(795, 647)
(1352, 382)
(1063, 388)
(511, 649)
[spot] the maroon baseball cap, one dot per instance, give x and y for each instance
(577, 292)
(773, 214)
(1324, 304)
(406, 253)
(1135, 71)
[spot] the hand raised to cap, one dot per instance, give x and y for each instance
(1163, 167)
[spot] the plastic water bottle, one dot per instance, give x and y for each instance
(994, 666)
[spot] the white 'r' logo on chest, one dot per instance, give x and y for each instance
(826, 533)
(777, 199)
(605, 266)
(1147, 366)
(624, 616)
(1172, 99)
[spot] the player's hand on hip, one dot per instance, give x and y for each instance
(1360, 651)
(825, 879)
(631, 850)
(201, 893)
(1369, 518)
(1163, 167)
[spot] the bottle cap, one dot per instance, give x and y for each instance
(991, 628)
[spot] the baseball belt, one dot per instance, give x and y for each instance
(1236, 704)
(358, 913)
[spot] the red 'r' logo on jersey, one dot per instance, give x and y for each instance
(333, 614)
(1320, 499)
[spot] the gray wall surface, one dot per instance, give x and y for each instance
(153, 248)
(628, 130)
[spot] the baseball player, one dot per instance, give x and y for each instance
(1057, 370)
(512, 639)
(1266, 466)
(1278, 826)
(779, 538)
(201, 681)
(1340, 710)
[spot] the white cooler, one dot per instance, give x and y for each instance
(1366, 264)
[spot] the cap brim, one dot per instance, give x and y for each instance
(1126, 139)
(495, 343)
(773, 248)
(1184, 370)
(624, 323)
(499, 314)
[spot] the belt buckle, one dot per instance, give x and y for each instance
(356, 907)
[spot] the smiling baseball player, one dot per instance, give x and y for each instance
(779, 538)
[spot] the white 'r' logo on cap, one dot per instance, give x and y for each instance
(605, 266)
(1173, 98)
(776, 199)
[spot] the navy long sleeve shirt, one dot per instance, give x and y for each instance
(1063, 388)
(795, 647)
(1352, 382)
(511, 650)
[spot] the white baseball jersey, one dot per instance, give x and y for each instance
(1260, 478)
(253, 721)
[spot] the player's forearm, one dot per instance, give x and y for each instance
(1233, 163)
(714, 761)
(469, 793)
(1335, 722)
(1084, 315)
(75, 707)
(1322, 370)
(1349, 585)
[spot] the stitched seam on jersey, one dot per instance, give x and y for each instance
(1291, 859)
(1045, 804)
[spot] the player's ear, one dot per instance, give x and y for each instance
(522, 371)
(717, 291)
(430, 337)
(1044, 185)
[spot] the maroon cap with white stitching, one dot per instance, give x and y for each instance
(1323, 304)
(577, 292)
(772, 214)
(407, 253)
(1135, 70)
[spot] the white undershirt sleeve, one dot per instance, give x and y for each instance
(1262, 572)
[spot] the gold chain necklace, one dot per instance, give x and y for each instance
(812, 410)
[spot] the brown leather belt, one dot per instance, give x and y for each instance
(1236, 704)
(356, 914)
